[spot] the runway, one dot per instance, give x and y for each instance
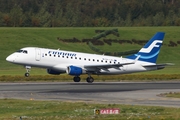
(133, 93)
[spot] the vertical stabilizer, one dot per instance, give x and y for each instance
(150, 51)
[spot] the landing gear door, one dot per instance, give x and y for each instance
(38, 54)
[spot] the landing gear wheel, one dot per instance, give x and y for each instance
(90, 79)
(28, 68)
(77, 79)
(26, 74)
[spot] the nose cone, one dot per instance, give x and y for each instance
(10, 58)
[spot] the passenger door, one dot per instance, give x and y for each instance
(38, 54)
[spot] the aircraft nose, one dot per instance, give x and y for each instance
(10, 58)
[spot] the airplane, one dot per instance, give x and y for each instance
(76, 63)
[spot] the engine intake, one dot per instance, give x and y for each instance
(73, 70)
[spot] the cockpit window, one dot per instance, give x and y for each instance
(25, 51)
(19, 51)
(22, 51)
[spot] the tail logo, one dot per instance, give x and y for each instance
(153, 44)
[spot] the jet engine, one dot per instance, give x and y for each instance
(53, 72)
(73, 70)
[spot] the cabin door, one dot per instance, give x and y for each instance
(38, 54)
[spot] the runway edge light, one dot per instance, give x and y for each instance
(96, 111)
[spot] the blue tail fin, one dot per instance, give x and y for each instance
(150, 51)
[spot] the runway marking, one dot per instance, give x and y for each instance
(141, 99)
(152, 99)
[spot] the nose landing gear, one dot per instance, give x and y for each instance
(28, 68)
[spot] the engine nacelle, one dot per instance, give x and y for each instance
(53, 72)
(73, 70)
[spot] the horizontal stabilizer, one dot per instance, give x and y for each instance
(158, 66)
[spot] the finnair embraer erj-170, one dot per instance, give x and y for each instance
(75, 63)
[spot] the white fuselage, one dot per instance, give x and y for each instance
(59, 60)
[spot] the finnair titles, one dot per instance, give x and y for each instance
(62, 53)
(76, 63)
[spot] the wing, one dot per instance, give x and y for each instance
(107, 65)
(96, 68)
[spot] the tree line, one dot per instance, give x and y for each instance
(89, 13)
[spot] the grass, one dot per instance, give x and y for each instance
(173, 94)
(12, 39)
(112, 78)
(56, 110)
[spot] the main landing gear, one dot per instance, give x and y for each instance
(77, 79)
(89, 79)
(28, 68)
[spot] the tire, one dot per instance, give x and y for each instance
(77, 79)
(26, 74)
(90, 79)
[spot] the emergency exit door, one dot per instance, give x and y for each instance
(38, 54)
